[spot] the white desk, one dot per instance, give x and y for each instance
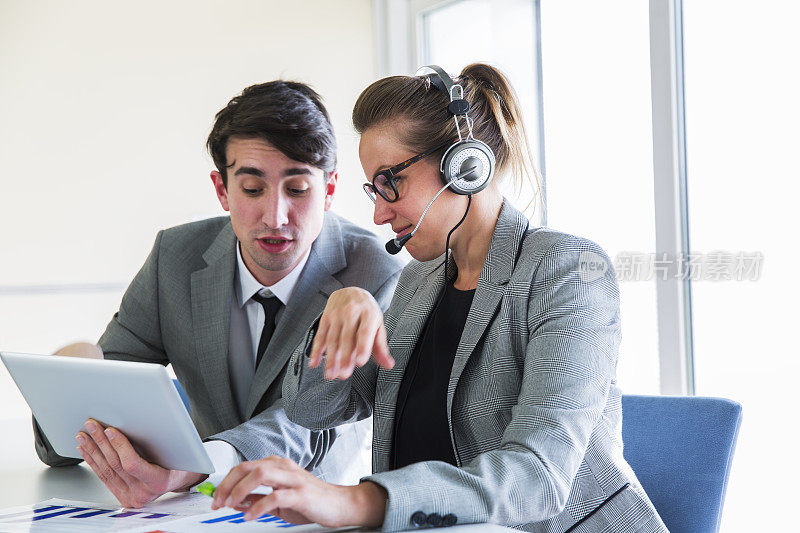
(24, 479)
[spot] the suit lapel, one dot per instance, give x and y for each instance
(402, 341)
(309, 296)
(211, 301)
(495, 275)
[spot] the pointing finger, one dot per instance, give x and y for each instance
(380, 349)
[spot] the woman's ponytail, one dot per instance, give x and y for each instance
(497, 121)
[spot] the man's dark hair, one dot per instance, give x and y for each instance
(288, 115)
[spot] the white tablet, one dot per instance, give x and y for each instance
(139, 399)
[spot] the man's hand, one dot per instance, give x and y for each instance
(80, 349)
(299, 497)
(133, 481)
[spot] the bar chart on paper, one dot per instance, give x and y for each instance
(178, 515)
(65, 516)
(233, 522)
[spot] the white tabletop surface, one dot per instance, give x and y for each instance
(25, 479)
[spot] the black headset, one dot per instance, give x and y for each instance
(468, 164)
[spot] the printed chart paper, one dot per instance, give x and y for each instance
(227, 520)
(65, 516)
(174, 514)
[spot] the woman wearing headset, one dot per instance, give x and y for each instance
(491, 377)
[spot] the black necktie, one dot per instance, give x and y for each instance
(271, 305)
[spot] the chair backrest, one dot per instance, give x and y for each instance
(681, 450)
(182, 394)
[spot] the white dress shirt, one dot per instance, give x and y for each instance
(247, 321)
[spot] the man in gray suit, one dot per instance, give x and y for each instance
(226, 300)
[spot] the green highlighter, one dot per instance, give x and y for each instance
(206, 488)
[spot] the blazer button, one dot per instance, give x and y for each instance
(435, 520)
(449, 520)
(419, 519)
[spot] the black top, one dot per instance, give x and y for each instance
(421, 432)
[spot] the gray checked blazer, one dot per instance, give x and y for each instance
(177, 310)
(533, 407)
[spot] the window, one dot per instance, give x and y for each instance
(742, 139)
(599, 154)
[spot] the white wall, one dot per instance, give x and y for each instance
(104, 112)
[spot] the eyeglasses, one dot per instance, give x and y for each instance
(383, 183)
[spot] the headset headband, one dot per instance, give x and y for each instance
(454, 91)
(439, 78)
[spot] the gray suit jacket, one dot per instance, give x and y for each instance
(533, 406)
(177, 310)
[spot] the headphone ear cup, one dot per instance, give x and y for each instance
(468, 166)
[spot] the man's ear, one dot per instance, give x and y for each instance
(220, 189)
(330, 188)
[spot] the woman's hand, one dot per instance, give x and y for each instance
(350, 330)
(299, 497)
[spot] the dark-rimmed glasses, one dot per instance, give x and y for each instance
(383, 183)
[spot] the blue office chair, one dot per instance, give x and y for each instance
(681, 450)
(182, 394)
